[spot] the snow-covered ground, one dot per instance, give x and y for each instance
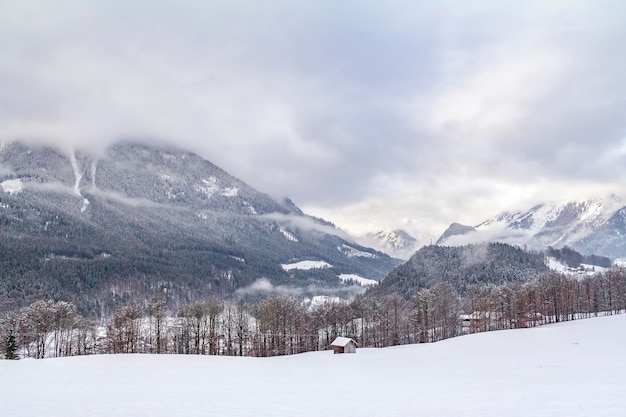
(357, 278)
(351, 252)
(583, 270)
(12, 186)
(288, 235)
(620, 262)
(570, 369)
(211, 186)
(306, 265)
(323, 299)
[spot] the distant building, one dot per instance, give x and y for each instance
(344, 345)
(482, 321)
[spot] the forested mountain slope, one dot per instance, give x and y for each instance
(461, 266)
(101, 230)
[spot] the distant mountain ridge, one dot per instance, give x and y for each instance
(596, 226)
(462, 266)
(137, 220)
(482, 264)
(397, 243)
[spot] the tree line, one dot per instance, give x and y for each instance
(282, 325)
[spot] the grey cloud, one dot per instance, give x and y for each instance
(6, 171)
(122, 199)
(377, 112)
(53, 187)
(306, 224)
(264, 286)
(60, 188)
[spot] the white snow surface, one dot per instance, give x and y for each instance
(583, 270)
(592, 269)
(208, 187)
(168, 157)
(341, 341)
(250, 207)
(77, 174)
(557, 266)
(306, 265)
(84, 206)
(288, 235)
(572, 369)
(14, 186)
(588, 215)
(211, 187)
(319, 300)
(230, 192)
(357, 278)
(620, 262)
(351, 252)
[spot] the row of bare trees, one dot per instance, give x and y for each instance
(49, 329)
(280, 325)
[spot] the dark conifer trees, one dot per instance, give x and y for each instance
(10, 346)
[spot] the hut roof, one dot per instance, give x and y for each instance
(342, 341)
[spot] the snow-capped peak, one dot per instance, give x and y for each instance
(558, 224)
(397, 243)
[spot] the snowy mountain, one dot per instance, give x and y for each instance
(105, 229)
(396, 243)
(461, 267)
(455, 229)
(596, 226)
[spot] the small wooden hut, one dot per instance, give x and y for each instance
(343, 345)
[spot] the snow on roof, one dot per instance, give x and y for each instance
(342, 341)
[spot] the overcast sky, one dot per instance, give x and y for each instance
(373, 115)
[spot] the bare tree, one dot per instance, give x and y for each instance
(156, 311)
(214, 308)
(123, 331)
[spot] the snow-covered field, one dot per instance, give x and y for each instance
(12, 186)
(581, 271)
(570, 369)
(306, 265)
(357, 278)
